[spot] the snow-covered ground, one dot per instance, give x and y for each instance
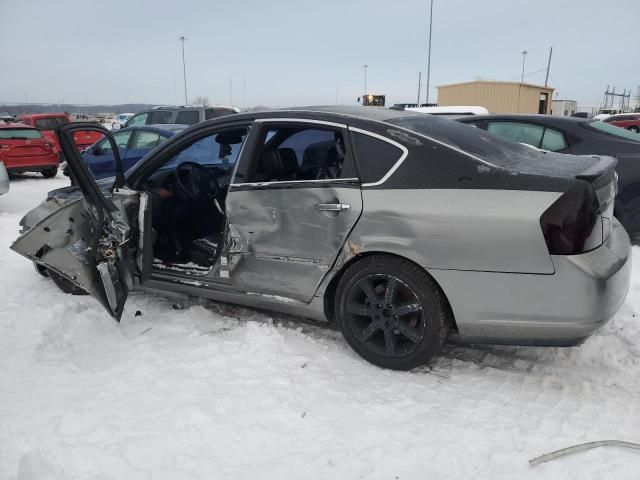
(217, 391)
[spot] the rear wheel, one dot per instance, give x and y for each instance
(50, 172)
(65, 285)
(392, 312)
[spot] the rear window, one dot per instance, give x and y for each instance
(612, 130)
(50, 123)
(19, 133)
(474, 141)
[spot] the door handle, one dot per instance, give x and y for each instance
(333, 207)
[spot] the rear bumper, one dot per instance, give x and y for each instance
(31, 164)
(561, 309)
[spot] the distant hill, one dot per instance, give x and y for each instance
(19, 109)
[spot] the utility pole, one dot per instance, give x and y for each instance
(429, 52)
(365, 66)
(546, 79)
(524, 59)
(184, 71)
(419, 81)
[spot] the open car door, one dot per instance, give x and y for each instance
(88, 240)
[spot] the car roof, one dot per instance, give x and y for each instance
(16, 125)
(617, 115)
(335, 112)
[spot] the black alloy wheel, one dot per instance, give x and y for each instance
(386, 315)
(392, 312)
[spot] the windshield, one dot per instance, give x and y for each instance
(612, 130)
(19, 133)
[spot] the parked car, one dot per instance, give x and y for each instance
(630, 121)
(120, 120)
(400, 227)
(182, 115)
(25, 149)
(582, 137)
(133, 144)
(47, 123)
(6, 117)
(4, 179)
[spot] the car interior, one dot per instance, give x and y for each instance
(188, 195)
(188, 192)
(298, 154)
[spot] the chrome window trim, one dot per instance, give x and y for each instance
(403, 149)
(262, 184)
(301, 120)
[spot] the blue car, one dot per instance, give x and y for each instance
(133, 144)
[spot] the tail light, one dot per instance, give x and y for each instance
(573, 223)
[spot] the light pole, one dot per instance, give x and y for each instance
(365, 66)
(429, 52)
(184, 71)
(524, 58)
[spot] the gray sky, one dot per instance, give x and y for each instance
(297, 52)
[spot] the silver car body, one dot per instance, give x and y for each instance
(483, 243)
(4, 179)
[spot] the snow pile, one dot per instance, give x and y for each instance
(218, 391)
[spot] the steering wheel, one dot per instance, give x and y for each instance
(195, 181)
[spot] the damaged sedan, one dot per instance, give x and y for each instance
(402, 228)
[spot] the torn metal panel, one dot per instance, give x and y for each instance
(282, 244)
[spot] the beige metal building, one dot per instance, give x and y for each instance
(498, 97)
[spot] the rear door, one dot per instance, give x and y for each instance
(294, 199)
(87, 241)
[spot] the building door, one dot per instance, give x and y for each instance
(542, 104)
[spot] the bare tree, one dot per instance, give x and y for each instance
(200, 100)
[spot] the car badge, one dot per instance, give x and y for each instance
(27, 141)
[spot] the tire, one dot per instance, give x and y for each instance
(50, 172)
(65, 285)
(401, 331)
(635, 129)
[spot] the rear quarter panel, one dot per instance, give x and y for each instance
(480, 230)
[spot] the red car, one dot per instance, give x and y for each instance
(48, 122)
(630, 121)
(25, 149)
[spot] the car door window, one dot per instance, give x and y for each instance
(146, 140)
(553, 140)
(300, 153)
(159, 117)
(121, 139)
(518, 132)
(139, 119)
(187, 117)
